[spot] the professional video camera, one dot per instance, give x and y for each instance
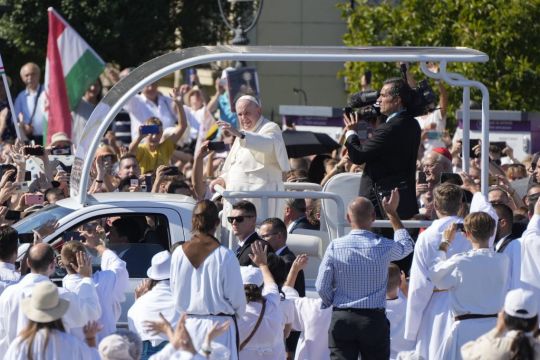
(422, 100)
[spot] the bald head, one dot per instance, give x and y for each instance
(30, 75)
(361, 213)
(40, 257)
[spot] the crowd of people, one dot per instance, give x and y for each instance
(465, 287)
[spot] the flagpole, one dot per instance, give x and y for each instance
(14, 118)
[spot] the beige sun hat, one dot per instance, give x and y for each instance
(45, 304)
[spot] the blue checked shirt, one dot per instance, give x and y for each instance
(354, 270)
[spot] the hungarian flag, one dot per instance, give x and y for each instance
(71, 67)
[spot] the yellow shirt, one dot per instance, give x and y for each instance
(150, 160)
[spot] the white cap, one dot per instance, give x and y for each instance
(521, 304)
(161, 266)
(251, 98)
(224, 72)
(251, 275)
(114, 347)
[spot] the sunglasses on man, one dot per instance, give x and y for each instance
(238, 219)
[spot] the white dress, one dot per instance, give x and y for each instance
(83, 307)
(268, 342)
(428, 318)
(147, 308)
(215, 287)
(61, 345)
(313, 321)
(111, 284)
(477, 281)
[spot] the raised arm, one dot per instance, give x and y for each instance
(259, 258)
(178, 98)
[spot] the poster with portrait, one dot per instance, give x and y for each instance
(243, 81)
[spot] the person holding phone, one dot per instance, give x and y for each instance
(156, 151)
(258, 157)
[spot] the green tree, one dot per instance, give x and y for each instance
(127, 32)
(507, 31)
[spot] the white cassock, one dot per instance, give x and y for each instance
(313, 322)
(530, 265)
(83, 307)
(395, 312)
(60, 345)
(428, 317)
(111, 284)
(8, 275)
(214, 288)
(147, 308)
(477, 283)
(513, 251)
(267, 343)
(257, 163)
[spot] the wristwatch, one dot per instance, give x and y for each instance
(242, 135)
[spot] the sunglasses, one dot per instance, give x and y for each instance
(238, 219)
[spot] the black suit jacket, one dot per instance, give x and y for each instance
(275, 263)
(390, 157)
(288, 257)
(303, 223)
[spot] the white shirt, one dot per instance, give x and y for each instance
(61, 345)
(530, 266)
(83, 307)
(110, 283)
(425, 121)
(395, 312)
(25, 102)
(513, 251)
(8, 275)
(140, 109)
(426, 248)
(267, 342)
(215, 287)
(313, 322)
(147, 307)
(477, 280)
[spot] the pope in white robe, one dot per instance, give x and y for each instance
(428, 318)
(257, 159)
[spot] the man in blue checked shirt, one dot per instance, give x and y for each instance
(352, 279)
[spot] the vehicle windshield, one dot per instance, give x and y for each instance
(40, 217)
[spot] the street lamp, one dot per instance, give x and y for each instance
(244, 15)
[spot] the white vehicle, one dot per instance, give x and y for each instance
(164, 219)
(173, 212)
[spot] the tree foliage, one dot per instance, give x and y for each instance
(127, 32)
(506, 30)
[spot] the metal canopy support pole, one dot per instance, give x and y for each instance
(465, 158)
(484, 165)
(459, 80)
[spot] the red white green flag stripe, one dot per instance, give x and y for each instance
(72, 66)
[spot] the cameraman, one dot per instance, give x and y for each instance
(390, 154)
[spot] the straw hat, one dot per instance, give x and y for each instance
(161, 266)
(45, 305)
(58, 137)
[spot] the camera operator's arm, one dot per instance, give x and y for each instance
(359, 153)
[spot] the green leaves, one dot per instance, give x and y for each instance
(507, 31)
